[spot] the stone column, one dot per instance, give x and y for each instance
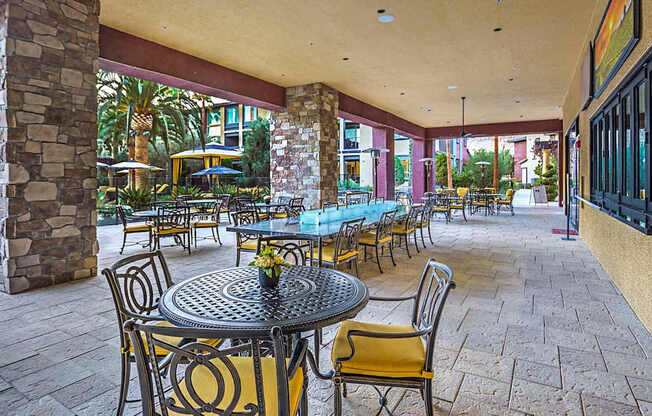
(48, 141)
(383, 137)
(420, 150)
(303, 146)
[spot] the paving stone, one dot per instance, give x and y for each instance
(77, 393)
(628, 365)
(106, 405)
(464, 405)
(485, 390)
(45, 406)
(599, 407)
(24, 367)
(412, 404)
(620, 345)
(642, 388)
(485, 365)
(446, 383)
(11, 400)
(581, 360)
(71, 348)
(536, 398)
(53, 378)
(540, 353)
(538, 373)
(570, 339)
(646, 408)
(597, 383)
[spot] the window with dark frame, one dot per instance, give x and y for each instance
(620, 152)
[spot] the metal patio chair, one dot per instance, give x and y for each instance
(205, 380)
(403, 230)
(380, 238)
(137, 283)
(506, 202)
(394, 355)
(209, 219)
(172, 222)
(243, 241)
(345, 247)
(132, 228)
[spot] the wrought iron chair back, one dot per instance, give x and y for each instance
(327, 204)
(194, 365)
(137, 284)
(292, 212)
(385, 225)
(119, 209)
(297, 204)
(244, 204)
(428, 211)
(413, 217)
(156, 204)
(286, 247)
(244, 218)
(353, 198)
(347, 238)
(436, 281)
(170, 219)
(284, 199)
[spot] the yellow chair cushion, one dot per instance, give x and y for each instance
(402, 230)
(205, 385)
(280, 215)
(138, 228)
(249, 245)
(462, 191)
(171, 230)
(171, 340)
(381, 357)
(328, 254)
(369, 239)
(204, 224)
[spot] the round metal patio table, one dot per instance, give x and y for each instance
(306, 299)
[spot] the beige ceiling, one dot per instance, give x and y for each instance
(431, 44)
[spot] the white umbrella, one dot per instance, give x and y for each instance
(102, 165)
(132, 164)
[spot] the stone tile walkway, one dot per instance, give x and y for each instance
(534, 327)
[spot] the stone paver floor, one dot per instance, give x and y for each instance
(534, 327)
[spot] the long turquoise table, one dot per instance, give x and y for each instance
(311, 232)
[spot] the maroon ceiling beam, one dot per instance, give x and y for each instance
(361, 112)
(130, 55)
(497, 129)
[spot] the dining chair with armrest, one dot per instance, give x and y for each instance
(394, 355)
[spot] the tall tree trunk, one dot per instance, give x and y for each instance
(141, 154)
(131, 147)
(448, 164)
(496, 163)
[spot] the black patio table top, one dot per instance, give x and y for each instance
(307, 298)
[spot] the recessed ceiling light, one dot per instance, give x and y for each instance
(385, 18)
(510, 79)
(483, 119)
(448, 122)
(521, 115)
(518, 101)
(282, 75)
(345, 59)
(498, 29)
(310, 43)
(381, 11)
(402, 93)
(165, 28)
(452, 87)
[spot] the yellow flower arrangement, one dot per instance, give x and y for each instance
(269, 262)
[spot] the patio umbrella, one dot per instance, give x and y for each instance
(102, 165)
(217, 170)
(131, 166)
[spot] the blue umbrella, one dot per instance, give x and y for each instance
(217, 170)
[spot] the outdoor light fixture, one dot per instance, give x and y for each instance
(483, 165)
(428, 162)
(386, 18)
(375, 155)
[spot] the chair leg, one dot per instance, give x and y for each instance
(378, 260)
(344, 392)
(464, 215)
(416, 242)
(407, 246)
(391, 252)
(124, 241)
(357, 273)
(428, 398)
(337, 399)
(217, 232)
(237, 258)
(430, 235)
(124, 384)
(195, 229)
(423, 241)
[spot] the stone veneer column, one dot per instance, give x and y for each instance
(420, 150)
(303, 148)
(48, 143)
(383, 137)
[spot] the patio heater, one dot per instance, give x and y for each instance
(483, 165)
(375, 156)
(428, 162)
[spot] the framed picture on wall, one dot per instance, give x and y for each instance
(617, 34)
(587, 77)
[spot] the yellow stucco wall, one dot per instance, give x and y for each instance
(625, 253)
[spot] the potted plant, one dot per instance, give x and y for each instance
(269, 267)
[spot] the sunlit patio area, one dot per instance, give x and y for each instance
(534, 327)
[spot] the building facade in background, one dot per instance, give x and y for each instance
(228, 122)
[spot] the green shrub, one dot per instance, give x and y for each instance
(193, 191)
(136, 198)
